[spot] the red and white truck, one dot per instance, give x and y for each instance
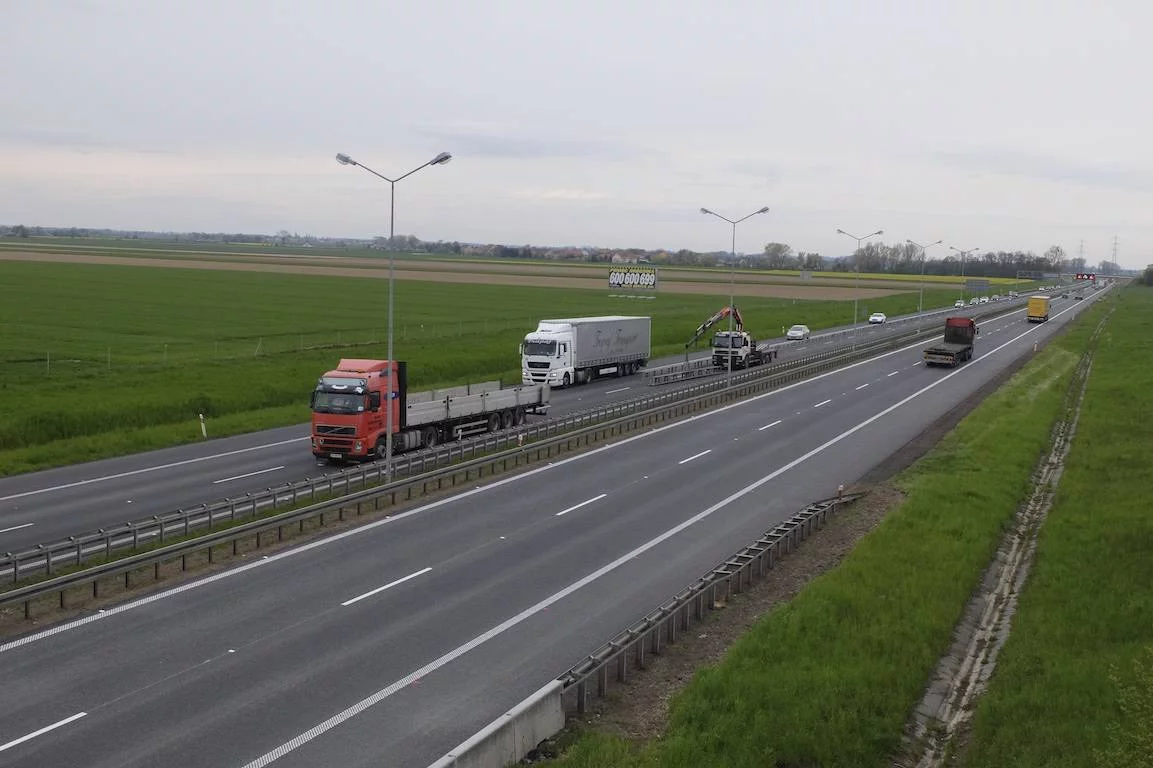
(349, 420)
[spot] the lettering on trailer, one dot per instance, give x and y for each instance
(1085, 276)
(633, 277)
(613, 340)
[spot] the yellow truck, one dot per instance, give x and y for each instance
(1038, 311)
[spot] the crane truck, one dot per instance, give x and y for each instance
(736, 348)
(349, 420)
(957, 346)
(577, 350)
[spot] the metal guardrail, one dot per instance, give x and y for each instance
(466, 457)
(661, 626)
(690, 369)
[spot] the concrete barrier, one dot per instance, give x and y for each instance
(512, 735)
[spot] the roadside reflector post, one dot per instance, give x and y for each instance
(203, 428)
(840, 491)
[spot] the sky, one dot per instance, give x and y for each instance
(1015, 124)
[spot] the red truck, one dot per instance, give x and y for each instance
(957, 346)
(349, 422)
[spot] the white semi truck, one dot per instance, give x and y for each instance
(576, 350)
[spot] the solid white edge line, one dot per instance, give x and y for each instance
(158, 467)
(389, 585)
(582, 504)
(823, 402)
(17, 527)
(775, 423)
(695, 456)
(614, 391)
(466, 494)
(504, 626)
(42, 731)
(249, 474)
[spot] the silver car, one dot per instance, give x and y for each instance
(798, 333)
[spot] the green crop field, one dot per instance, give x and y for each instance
(830, 678)
(101, 360)
(1086, 615)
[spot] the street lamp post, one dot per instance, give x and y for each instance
(921, 297)
(857, 266)
(344, 159)
(732, 269)
(963, 255)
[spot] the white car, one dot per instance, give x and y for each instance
(984, 299)
(877, 318)
(974, 301)
(959, 303)
(798, 333)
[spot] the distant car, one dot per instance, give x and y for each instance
(984, 299)
(996, 297)
(959, 303)
(877, 318)
(973, 301)
(798, 333)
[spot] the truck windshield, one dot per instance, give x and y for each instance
(540, 348)
(726, 342)
(336, 402)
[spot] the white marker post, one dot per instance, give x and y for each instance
(203, 428)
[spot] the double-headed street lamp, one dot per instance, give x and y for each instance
(857, 265)
(921, 298)
(344, 159)
(733, 267)
(963, 255)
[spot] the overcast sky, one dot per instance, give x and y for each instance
(1014, 124)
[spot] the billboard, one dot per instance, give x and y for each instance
(633, 277)
(1085, 276)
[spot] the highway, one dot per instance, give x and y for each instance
(52, 505)
(390, 643)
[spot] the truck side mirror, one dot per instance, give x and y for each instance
(374, 401)
(312, 399)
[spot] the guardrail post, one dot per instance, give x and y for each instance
(582, 694)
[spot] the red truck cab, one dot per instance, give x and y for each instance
(348, 420)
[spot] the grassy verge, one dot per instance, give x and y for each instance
(1087, 611)
(830, 678)
(103, 360)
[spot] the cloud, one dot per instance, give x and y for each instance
(490, 140)
(1048, 168)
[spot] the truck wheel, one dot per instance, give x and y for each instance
(566, 381)
(494, 422)
(429, 437)
(380, 450)
(518, 417)
(506, 418)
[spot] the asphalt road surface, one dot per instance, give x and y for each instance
(50, 506)
(392, 642)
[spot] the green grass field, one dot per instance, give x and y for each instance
(1087, 611)
(101, 360)
(830, 678)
